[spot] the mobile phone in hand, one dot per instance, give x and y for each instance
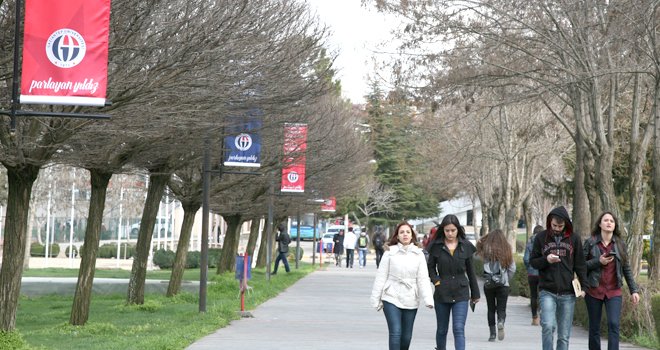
(611, 253)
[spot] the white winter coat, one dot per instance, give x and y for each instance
(402, 279)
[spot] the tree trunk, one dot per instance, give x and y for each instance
(263, 245)
(189, 211)
(581, 214)
(654, 263)
(20, 181)
(157, 183)
(230, 244)
(639, 145)
(254, 235)
(80, 310)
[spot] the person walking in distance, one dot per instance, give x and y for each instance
(350, 241)
(283, 241)
(499, 268)
(363, 249)
(557, 254)
(451, 270)
(533, 277)
(338, 247)
(607, 267)
(401, 285)
(379, 246)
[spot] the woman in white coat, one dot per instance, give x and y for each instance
(402, 283)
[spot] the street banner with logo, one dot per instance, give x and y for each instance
(65, 52)
(243, 143)
(329, 205)
(295, 144)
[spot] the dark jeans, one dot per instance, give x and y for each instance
(379, 255)
(281, 256)
(613, 312)
(458, 311)
(534, 294)
(496, 299)
(400, 325)
(350, 257)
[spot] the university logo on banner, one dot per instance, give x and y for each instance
(65, 52)
(243, 142)
(295, 144)
(329, 205)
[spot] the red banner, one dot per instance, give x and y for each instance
(65, 52)
(295, 144)
(329, 204)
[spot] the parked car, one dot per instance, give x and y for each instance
(327, 242)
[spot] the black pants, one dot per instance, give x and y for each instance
(496, 299)
(379, 255)
(534, 294)
(349, 257)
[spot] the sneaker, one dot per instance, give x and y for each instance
(536, 321)
(500, 330)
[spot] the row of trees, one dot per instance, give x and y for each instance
(531, 103)
(179, 74)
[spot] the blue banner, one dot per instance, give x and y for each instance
(243, 142)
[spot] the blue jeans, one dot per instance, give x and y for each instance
(362, 255)
(400, 325)
(458, 311)
(281, 256)
(613, 312)
(556, 314)
(349, 257)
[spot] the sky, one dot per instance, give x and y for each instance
(355, 34)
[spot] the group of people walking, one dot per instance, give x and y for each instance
(441, 275)
(350, 242)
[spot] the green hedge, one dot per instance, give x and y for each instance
(164, 259)
(67, 253)
(39, 250)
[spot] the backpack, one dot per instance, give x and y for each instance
(378, 241)
(362, 242)
(494, 278)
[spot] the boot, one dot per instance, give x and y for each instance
(492, 333)
(500, 330)
(536, 321)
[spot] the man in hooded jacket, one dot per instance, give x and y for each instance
(557, 254)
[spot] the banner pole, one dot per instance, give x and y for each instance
(14, 85)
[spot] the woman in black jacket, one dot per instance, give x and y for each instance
(452, 272)
(607, 267)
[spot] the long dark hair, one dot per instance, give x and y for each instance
(449, 220)
(495, 247)
(617, 233)
(395, 237)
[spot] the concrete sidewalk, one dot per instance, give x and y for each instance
(329, 310)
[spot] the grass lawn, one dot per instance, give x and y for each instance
(160, 323)
(188, 275)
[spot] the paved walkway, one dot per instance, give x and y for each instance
(330, 310)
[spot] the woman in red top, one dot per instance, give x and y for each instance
(607, 267)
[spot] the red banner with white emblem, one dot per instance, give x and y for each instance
(65, 52)
(329, 205)
(295, 144)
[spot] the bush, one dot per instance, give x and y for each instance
(75, 251)
(164, 259)
(214, 255)
(109, 251)
(193, 260)
(655, 305)
(291, 257)
(39, 250)
(12, 340)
